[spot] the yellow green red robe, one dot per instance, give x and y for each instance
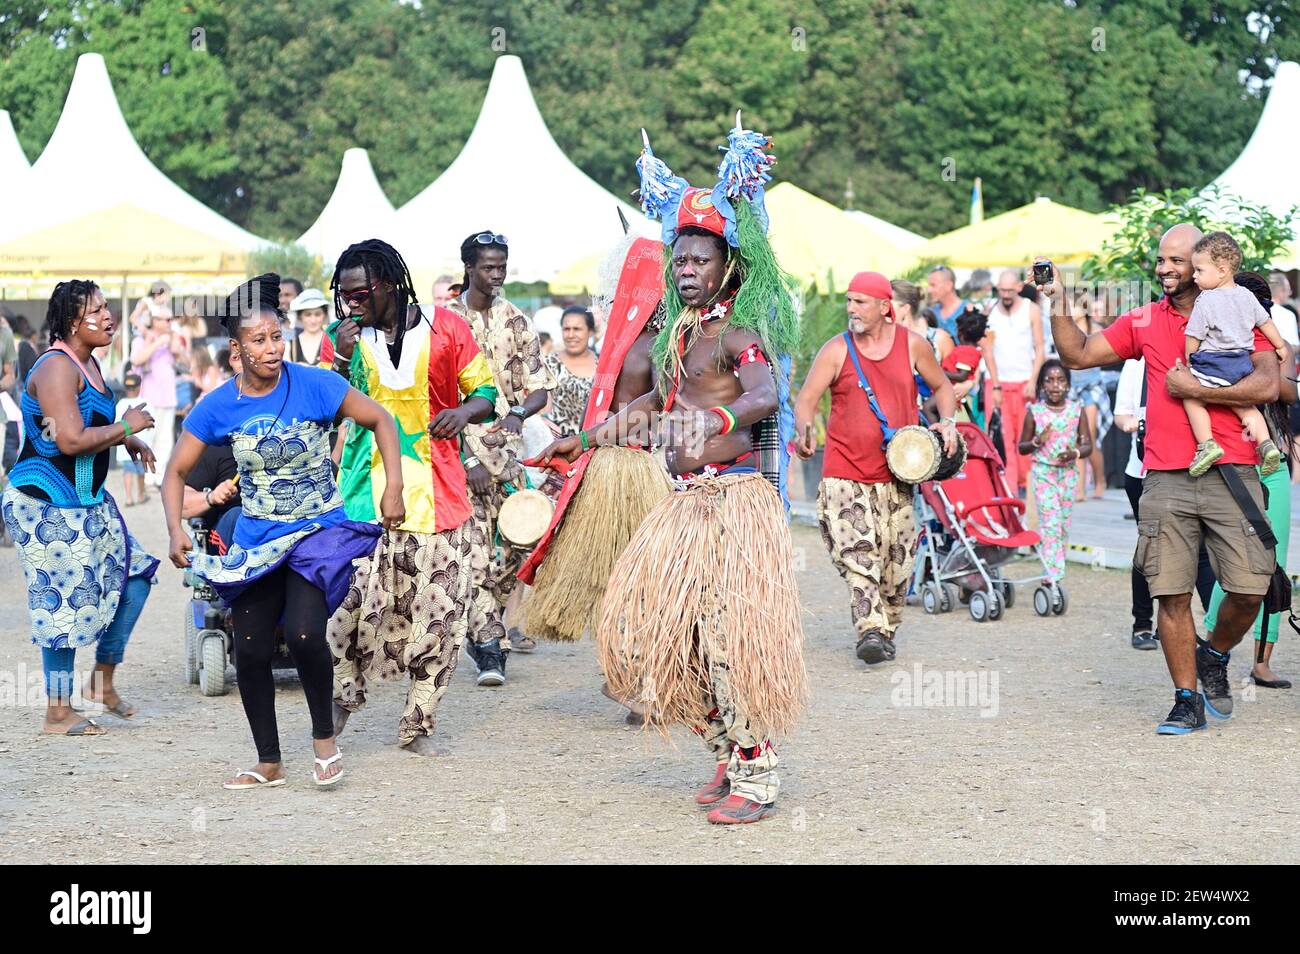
(439, 368)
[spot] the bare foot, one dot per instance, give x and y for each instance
(74, 723)
(340, 719)
(423, 745)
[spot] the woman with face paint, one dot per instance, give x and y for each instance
(87, 577)
(290, 561)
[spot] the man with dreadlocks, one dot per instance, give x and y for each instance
(493, 454)
(407, 609)
(716, 642)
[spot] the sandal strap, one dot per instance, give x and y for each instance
(260, 778)
(326, 763)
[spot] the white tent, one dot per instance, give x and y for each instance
(14, 166)
(357, 210)
(512, 178)
(92, 163)
(897, 235)
(1265, 172)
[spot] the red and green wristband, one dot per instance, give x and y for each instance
(728, 418)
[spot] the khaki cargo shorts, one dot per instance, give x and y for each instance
(1177, 512)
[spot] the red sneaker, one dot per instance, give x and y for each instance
(716, 790)
(737, 810)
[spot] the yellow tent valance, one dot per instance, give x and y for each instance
(122, 240)
(1064, 234)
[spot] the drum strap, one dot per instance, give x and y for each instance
(871, 395)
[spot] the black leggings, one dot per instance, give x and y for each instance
(257, 611)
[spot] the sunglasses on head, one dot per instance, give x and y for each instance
(491, 238)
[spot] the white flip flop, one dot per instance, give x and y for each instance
(259, 781)
(324, 764)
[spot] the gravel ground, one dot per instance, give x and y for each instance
(1056, 760)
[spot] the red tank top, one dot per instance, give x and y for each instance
(853, 435)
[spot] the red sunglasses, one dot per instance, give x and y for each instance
(359, 295)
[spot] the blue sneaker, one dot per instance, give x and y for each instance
(1212, 670)
(1187, 715)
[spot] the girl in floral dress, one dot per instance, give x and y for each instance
(1056, 436)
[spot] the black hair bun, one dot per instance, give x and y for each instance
(256, 296)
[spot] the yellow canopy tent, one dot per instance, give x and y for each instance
(119, 241)
(1064, 234)
(822, 246)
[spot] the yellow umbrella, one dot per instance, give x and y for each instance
(823, 246)
(820, 245)
(122, 240)
(1065, 235)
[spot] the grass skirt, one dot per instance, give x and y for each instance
(619, 488)
(709, 574)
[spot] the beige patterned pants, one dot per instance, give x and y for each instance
(405, 614)
(730, 738)
(870, 532)
(494, 564)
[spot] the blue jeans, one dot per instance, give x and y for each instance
(58, 663)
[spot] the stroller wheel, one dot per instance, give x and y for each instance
(931, 598)
(1060, 602)
(191, 648)
(979, 606)
(1043, 601)
(1007, 591)
(996, 605)
(951, 597)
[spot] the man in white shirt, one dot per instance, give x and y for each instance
(1016, 333)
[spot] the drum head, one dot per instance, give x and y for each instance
(913, 454)
(524, 517)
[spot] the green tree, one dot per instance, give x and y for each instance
(1129, 258)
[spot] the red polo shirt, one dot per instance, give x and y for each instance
(1157, 332)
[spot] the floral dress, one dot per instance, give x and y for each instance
(1055, 484)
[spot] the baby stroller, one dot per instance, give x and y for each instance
(209, 635)
(970, 530)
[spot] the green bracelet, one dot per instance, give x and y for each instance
(582, 437)
(127, 428)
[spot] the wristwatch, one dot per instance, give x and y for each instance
(471, 462)
(520, 412)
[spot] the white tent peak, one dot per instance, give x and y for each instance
(513, 178)
(357, 210)
(1264, 173)
(92, 163)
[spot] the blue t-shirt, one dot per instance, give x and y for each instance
(302, 408)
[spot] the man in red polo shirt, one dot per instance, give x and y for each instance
(1176, 510)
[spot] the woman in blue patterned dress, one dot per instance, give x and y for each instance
(291, 557)
(87, 577)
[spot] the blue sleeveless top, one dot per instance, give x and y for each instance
(46, 473)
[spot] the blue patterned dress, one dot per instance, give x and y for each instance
(75, 550)
(292, 509)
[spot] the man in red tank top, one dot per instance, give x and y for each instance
(865, 514)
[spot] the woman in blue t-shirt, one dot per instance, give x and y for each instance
(291, 557)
